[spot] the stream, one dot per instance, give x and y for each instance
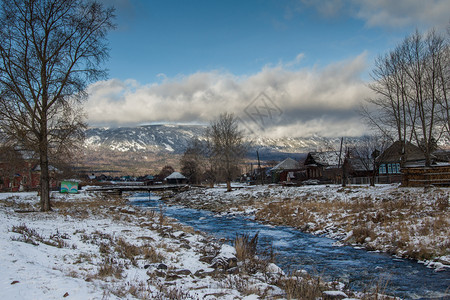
(294, 250)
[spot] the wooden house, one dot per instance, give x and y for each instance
(286, 171)
(395, 157)
(324, 166)
(23, 177)
(358, 170)
(176, 178)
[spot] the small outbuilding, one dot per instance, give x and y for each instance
(285, 171)
(176, 178)
(324, 166)
(69, 186)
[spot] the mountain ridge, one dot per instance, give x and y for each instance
(175, 138)
(146, 148)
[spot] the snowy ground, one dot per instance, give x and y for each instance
(408, 222)
(97, 247)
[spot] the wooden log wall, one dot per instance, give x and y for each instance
(426, 176)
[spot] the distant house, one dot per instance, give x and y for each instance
(285, 171)
(147, 179)
(395, 157)
(442, 155)
(359, 170)
(324, 166)
(176, 178)
(23, 176)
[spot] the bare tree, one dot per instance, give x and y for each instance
(193, 161)
(11, 163)
(411, 87)
(367, 151)
(443, 74)
(165, 171)
(49, 51)
(227, 146)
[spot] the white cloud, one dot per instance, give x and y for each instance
(384, 13)
(401, 13)
(304, 101)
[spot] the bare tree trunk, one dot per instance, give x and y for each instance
(43, 162)
(229, 186)
(45, 184)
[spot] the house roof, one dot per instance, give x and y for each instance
(50, 168)
(287, 164)
(360, 164)
(328, 158)
(175, 175)
(394, 152)
(442, 155)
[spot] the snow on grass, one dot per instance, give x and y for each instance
(408, 222)
(93, 246)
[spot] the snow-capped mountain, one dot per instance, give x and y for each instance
(148, 138)
(175, 138)
(150, 147)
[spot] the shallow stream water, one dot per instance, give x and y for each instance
(318, 255)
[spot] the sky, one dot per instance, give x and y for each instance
(293, 68)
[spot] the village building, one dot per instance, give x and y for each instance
(395, 157)
(286, 171)
(23, 176)
(176, 178)
(324, 166)
(358, 170)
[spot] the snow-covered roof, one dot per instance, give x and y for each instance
(328, 158)
(50, 168)
(394, 152)
(175, 175)
(361, 164)
(287, 164)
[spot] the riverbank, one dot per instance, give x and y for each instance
(93, 246)
(407, 222)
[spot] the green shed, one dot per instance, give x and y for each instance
(70, 187)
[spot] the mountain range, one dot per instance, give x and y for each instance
(146, 149)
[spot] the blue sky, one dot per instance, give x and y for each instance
(188, 61)
(183, 37)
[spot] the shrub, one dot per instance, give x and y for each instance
(245, 247)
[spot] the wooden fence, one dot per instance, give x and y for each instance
(425, 176)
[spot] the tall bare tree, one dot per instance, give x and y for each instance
(368, 151)
(193, 161)
(227, 145)
(49, 51)
(411, 87)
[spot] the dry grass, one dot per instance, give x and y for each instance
(301, 287)
(31, 236)
(110, 267)
(245, 246)
(398, 222)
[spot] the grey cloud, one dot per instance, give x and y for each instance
(274, 101)
(404, 12)
(384, 13)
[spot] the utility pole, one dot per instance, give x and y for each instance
(259, 168)
(340, 153)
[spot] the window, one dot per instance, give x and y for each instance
(398, 167)
(389, 168)
(394, 169)
(382, 169)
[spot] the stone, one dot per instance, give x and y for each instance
(206, 259)
(233, 270)
(332, 295)
(225, 263)
(183, 272)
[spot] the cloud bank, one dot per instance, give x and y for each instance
(276, 102)
(385, 13)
